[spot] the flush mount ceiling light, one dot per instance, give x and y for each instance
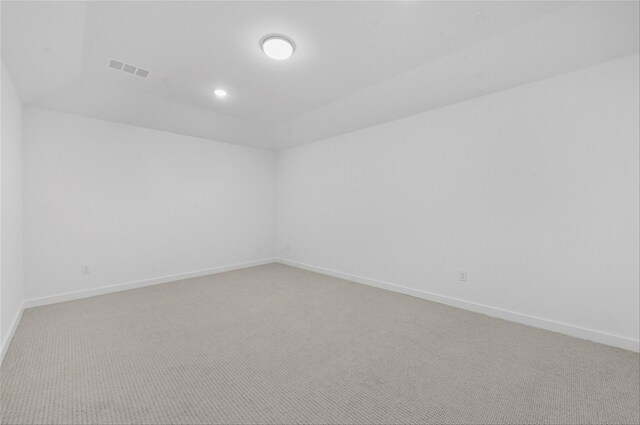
(220, 93)
(277, 46)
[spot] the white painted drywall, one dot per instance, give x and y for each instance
(137, 204)
(10, 209)
(573, 37)
(533, 191)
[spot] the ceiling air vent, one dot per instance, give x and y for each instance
(129, 69)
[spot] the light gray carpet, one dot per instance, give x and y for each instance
(275, 344)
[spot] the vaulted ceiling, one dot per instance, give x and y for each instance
(356, 64)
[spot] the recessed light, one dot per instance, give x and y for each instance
(278, 47)
(220, 93)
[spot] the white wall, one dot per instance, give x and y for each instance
(10, 209)
(136, 204)
(534, 191)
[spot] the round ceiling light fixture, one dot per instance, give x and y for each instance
(220, 93)
(277, 46)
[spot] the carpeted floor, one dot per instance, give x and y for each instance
(275, 344)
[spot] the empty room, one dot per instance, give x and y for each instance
(320, 212)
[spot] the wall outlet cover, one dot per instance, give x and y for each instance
(462, 276)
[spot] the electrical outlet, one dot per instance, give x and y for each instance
(84, 269)
(462, 276)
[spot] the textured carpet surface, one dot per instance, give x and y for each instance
(275, 344)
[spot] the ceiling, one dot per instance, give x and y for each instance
(356, 64)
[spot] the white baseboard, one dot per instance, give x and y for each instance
(12, 331)
(85, 293)
(551, 325)
(538, 322)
